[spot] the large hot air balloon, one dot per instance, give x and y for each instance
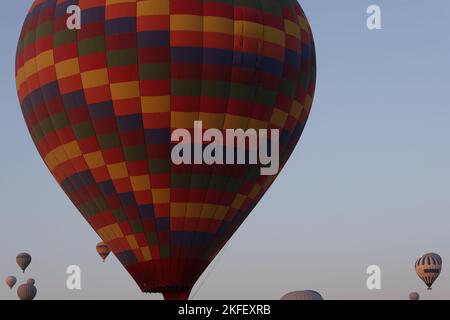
(27, 291)
(103, 250)
(23, 260)
(414, 296)
(101, 103)
(11, 281)
(303, 295)
(428, 268)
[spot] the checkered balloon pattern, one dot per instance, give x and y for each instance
(101, 103)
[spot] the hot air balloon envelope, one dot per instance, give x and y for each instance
(23, 260)
(303, 295)
(101, 104)
(414, 296)
(11, 281)
(428, 268)
(103, 250)
(26, 291)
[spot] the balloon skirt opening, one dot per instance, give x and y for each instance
(177, 296)
(174, 278)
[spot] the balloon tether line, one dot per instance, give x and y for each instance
(214, 265)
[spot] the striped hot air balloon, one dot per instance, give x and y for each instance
(103, 250)
(102, 101)
(428, 268)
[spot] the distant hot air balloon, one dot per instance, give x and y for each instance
(11, 281)
(303, 295)
(23, 260)
(102, 102)
(414, 296)
(103, 250)
(27, 291)
(428, 268)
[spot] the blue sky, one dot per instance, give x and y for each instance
(368, 184)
